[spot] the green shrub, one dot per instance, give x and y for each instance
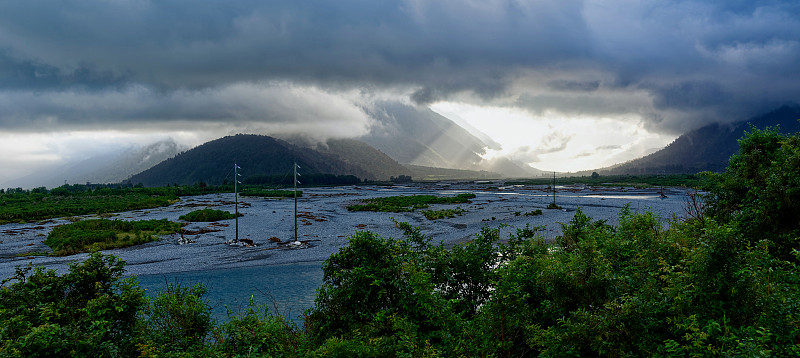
(206, 215)
(443, 213)
(89, 311)
(177, 319)
(760, 190)
(256, 331)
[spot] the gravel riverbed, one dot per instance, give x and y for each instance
(325, 224)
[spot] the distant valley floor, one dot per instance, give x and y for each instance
(325, 223)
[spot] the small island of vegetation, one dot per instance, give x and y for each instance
(207, 215)
(102, 234)
(403, 203)
(443, 213)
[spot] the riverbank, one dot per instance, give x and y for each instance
(324, 223)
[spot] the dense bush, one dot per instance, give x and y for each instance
(258, 333)
(759, 192)
(176, 320)
(90, 311)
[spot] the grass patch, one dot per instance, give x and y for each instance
(402, 203)
(36, 207)
(32, 253)
(101, 234)
(207, 215)
(443, 214)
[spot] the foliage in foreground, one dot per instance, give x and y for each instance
(208, 214)
(89, 311)
(101, 234)
(403, 203)
(710, 285)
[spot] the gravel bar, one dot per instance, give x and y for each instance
(324, 223)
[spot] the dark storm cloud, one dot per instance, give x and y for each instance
(574, 86)
(195, 44)
(30, 75)
(676, 64)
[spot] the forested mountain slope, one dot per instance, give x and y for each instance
(258, 156)
(707, 148)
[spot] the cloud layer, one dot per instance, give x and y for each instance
(281, 64)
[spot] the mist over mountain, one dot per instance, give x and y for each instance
(509, 168)
(707, 148)
(357, 153)
(112, 166)
(420, 137)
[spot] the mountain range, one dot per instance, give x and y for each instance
(404, 140)
(707, 148)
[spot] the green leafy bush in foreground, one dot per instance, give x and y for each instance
(101, 234)
(206, 215)
(88, 312)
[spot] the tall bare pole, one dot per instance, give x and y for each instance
(236, 196)
(295, 202)
(554, 188)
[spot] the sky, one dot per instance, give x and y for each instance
(562, 85)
